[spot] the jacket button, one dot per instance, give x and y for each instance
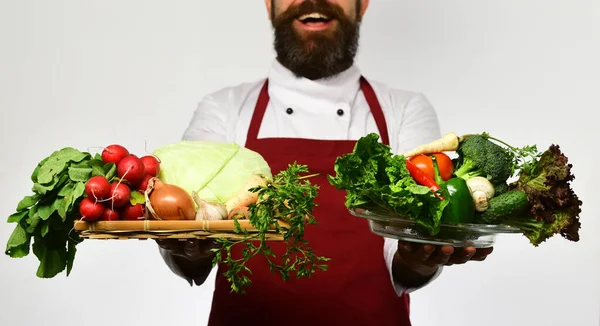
(340, 112)
(289, 111)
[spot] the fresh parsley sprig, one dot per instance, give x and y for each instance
(289, 198)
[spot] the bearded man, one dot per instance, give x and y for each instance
(311, 108)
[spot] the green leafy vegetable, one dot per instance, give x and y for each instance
(543, 178)
(214, 170)
(288, 198)
(136, 197)
(554, 207)
(377, 180)
(45, 219)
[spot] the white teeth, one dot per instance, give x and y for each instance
(314, 15)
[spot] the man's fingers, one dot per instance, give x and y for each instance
(463, 256)
(191, 248)
(405, 246)
(425, 252)
(482, 254)
(433, 256)
(162, 243)
(167, 244)
(441, 256)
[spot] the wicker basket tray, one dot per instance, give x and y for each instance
(152, 229)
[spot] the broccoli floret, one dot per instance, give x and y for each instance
(478, 156)
(500, 188)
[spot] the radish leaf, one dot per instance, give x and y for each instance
(18, 243)
(72, 249)
(79, 174)
(34, 175)
(48, 214)
(66, 189)
(97, 168)
(61, 207)
(78, 191)
(17, 217)
(27, 202)
(111, 171)
(52, 260)
(33, 222)
(137, 197)
(45, 211)
(45, 229)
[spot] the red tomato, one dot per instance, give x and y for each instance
(425, 163)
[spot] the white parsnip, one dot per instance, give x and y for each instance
(482, 191)
(244, 197)
(449, 142)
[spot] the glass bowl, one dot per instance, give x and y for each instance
(456, 235)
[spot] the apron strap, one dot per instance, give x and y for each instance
(259, 112)
(376, 110)
(367, 89)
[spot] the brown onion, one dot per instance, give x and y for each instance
(169, 202)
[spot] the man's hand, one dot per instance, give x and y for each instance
(192, 249)
(190, 259)
(415, 264)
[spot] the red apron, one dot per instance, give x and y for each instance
(356, 289)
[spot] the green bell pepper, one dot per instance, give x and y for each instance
(461, 208)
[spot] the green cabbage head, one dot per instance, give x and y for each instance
(216, 171)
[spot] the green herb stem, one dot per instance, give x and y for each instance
(290, 197)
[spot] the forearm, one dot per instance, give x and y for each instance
(193, 271)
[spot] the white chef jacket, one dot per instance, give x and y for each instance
(225, 116)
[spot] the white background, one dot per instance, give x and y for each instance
(90, 73)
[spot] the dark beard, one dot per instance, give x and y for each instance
(316, 55)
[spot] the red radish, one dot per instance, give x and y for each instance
(90, 210)
(131, 169)
(151, 165)
(144, 184)
(97, 188)
(114, 154)
(110, 215)
(120, 193)
(133, 213)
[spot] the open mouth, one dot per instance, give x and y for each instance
(315, 21)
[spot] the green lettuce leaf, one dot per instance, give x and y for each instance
(377, 180)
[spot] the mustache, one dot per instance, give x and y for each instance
(324, 7)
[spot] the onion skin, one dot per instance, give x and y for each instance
(169, 202)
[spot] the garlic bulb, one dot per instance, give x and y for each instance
(209, 210)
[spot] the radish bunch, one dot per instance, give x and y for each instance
(120, 198)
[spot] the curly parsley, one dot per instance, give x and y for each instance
(289, 197)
